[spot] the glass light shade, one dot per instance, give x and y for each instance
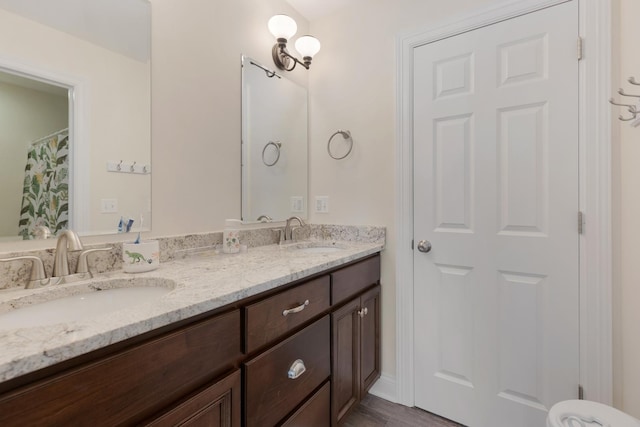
(282, 26)
(308, 46)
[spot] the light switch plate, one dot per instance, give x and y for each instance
(297, 204)
(322, 204)
(109, 205)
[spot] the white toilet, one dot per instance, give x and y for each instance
(584, 413)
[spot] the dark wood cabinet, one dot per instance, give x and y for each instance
(301, 355)
(369, 339)
(218, 405)
(273, 385)
(355, 351)
(345, 357)
(131, 385)
(314, 412)
(273, 317)
(355, 323)
(354, 279)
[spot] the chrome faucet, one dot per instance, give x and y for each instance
(68, 240)
(264, 218)
(288, 229)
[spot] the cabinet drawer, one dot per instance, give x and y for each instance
(267, 320)
(315, 412)
(349, 281)
(132, 385)
(270, 393)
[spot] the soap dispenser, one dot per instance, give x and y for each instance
(230, 237)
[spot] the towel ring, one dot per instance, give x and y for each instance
(277, 145)
(346, 135)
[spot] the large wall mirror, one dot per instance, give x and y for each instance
(75, 109)
(274, 145)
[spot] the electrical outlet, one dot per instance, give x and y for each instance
(297, 204)
(109, 205)
(322, 204)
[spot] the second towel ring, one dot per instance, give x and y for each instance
(346, 135)
(277, 145)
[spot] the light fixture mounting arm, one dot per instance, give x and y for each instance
(283, 59)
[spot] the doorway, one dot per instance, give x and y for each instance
(495, 188)
(595, 193)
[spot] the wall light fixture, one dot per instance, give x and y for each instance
(283, 27)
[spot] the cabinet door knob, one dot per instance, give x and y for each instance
(296, 309)
(296, 369)
(363, 312)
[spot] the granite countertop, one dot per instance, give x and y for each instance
(203, 282)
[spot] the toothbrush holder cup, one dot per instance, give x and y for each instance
(140, 257)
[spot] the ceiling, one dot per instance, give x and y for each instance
(119, 25)
(315, 9)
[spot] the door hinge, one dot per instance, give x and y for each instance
(580, 222)
(411, 244)
(580, 392)
(580, 55)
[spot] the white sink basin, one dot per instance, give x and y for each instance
(316, 247)
(80, 302)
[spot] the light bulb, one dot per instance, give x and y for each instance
(282, 26)
(307, 46)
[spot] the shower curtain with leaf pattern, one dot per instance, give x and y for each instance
(45, 198)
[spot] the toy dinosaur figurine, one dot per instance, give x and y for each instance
(137, 257)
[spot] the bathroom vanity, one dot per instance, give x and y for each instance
(299, 353)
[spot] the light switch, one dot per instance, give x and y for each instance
(322, 204)
(109, 205)
(297, 204)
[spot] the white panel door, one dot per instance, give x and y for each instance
(496, 194)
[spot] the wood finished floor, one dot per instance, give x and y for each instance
(376, 412)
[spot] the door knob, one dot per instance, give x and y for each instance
(424, 246)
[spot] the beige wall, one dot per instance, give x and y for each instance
(627, 211)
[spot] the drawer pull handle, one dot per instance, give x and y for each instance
(363, 312)
(296, 369)
(297, 309)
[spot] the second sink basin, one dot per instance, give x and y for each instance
(316, 247)
(80, 302)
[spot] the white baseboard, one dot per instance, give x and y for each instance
(386, 388)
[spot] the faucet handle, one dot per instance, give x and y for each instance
(38, 276)
(280, 232)
(83, 264)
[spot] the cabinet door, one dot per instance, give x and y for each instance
(369, 339)
(345, 381)
(216, 406)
